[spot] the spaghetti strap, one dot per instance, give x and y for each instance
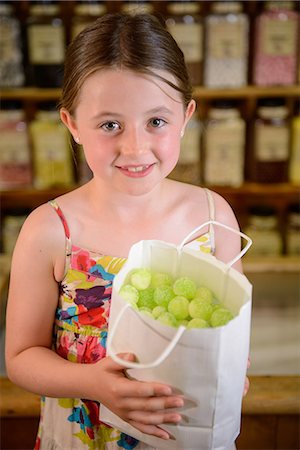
(68, 247)
(211, 212)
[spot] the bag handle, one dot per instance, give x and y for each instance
(214, 222)
(135, 365)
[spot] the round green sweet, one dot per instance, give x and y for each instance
(157, 311)
(167, 318)
(146, 311)
(146, 299)
(197, 323)
(161, 279)
(179, 307)
(162, 295)
(186, 287)
(205, 294)
(220, 317)
(140, 278)
(129, 293)
(199, 308)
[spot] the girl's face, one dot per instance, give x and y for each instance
(130, 126)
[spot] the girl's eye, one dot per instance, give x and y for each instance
(110, 126)
(156, 122)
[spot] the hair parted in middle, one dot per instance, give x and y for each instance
(135, 42)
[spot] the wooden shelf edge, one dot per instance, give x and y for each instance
(264, 264)
(251, 91)
(273, 395)
(248, 188)
(267, 395)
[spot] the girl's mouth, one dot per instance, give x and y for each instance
(136, 171)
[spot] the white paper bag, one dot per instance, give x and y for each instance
(207, 365)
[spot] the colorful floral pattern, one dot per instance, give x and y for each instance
(80, 333)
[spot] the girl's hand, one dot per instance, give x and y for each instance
(144, 405)
(247, 382)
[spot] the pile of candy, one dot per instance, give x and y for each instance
(174, 302)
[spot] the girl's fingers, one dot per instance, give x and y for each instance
(150, 429)
(142, 389)
(152, 403)
(156, 418)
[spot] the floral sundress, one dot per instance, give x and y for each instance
(80, 332)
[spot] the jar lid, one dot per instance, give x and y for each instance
(262, 210)
(227, 7)
(294, 208)
(5, 9)
(10, 105)
(137, 7)
(90, 8)
(184, 7)
(279, 5)
(272, 107)
(46, 8)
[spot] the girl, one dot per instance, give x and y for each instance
(127, 100)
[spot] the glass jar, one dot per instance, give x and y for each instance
(263, 229)
(294, 167)
(46, 44)
(86, 12)
(187, 169)
(184, 22)
(11, 58)
(12, 224)
(226, 48)
(276, 41)
(15, 160)
(270, 156)
(52, 154)
(293, 230)
(224, 145)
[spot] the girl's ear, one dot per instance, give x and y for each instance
(70, 122)
(188, 113)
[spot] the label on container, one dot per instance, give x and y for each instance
(52, 159)
(271, 143)
(279, 38)
(266, 242)
(189, 38)
(224, 154)
(11, 71)
(190, 144)
(227, 40)
(294, 169)
(46, 44)
(293, 242)
(15, 167)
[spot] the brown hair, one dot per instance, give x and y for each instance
(139, 43)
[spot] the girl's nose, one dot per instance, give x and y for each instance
(133, 141)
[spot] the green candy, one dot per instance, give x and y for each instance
(185, 286)
(200, 309)
(179, 307)
(221, 316)
(140, 278)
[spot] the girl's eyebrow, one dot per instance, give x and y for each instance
(160, 110)
(156, 110)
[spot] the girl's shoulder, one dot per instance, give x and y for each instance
(197, 195)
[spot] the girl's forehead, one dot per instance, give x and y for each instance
(111, 81)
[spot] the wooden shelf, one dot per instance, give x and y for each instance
(273, 264)
(247, 92)
(33, 93)
(30, 197)
(30, 93)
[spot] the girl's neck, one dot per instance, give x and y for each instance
(127, 207)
